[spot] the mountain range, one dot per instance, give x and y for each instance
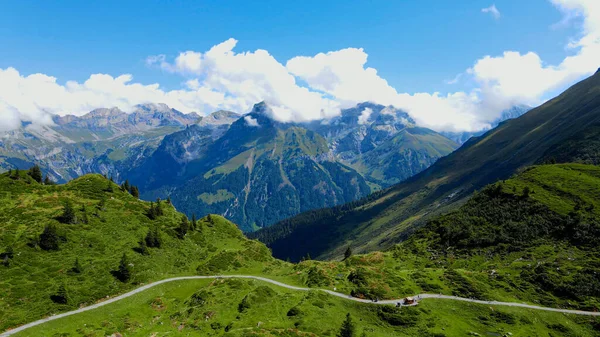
(250, 168)
(563, 129)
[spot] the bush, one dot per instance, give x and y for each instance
(294, 311)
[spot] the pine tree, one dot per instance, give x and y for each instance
(49, 238)
(123, 273)
(348, 329)
(194, 222)
(183, 227)
(76, 267)
(134, 192)
(169, 199)
(348, 253)
(61, 296)
(68, 215)
(17, 175)
(153, 239)
(125, 186)
(151, 213)
(143, 248)
(158, 209)
(36, 173)
(47, 180)
(10, 172)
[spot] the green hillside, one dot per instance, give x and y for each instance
(113, 223)
(385, 218)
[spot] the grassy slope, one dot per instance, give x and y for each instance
(181, 308)
(387, 217)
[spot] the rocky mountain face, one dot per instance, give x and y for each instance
(382, 143)
(258, 172)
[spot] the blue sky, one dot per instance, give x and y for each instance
(416, 46)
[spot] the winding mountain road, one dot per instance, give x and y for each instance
(348, 297)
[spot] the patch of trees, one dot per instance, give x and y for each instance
(133, 190)
(155, 210)
(36, 173)
(494, 217)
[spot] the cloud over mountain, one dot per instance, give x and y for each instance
(313, 87)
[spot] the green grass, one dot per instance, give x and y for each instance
(212, 308)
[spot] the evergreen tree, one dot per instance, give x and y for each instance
(169, 199)
(36, 173)
(111, 179)
(109, 187)
(151, 213)
(16, 175)
(153, 238)
(76, 267)
(143, 248)
(49, 238)
(61, 296)
(348, 253)
(10, 172)
(159, 210)
(183, 227)
(68, 215)
(123, 273)
(134, 192)
(348, 329)
(125, 186)
(7, 256)
(194, 222)
(47, 180)
(209, 219)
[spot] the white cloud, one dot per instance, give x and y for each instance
(455, 79)
(364, 116)
(251, 121)
(492, 10)
(311, 87)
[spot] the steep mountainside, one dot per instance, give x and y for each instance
(388, 216)
(258, 172)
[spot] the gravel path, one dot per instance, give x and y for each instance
(348, 297)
